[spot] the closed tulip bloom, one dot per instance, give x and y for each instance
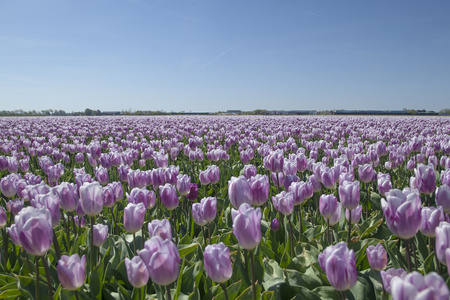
(71, 271)
(328, 205)
(169, 196)
(108, 196)
(384, 183)
(284, 202)
(416, 286)
(68, 196)
(317, 186)
(349, 194)
(34, 230)
(366, 173)
(101, 174)
(216, 259)
(51, 202)
(183, 186)
(160, 228)
(345, 177)
(443, 197)
(137, 271)
(336, 216)
(356, 214)
(100, 234)
(402, 212)
(162, 259)
(193, 192)
(249, 171)
(204, 212)
(247, 226)
(442, 241)
(8, 185)
(79, 158)
(276, 161)
(430, 219)
(15, 206)
(133, 217)
(445, 175)
(239, 191)
(328, 177)
(275, 224)
(377, 257)
(259, 185)
(387, 276)
(91, 198)
(426, 178)
(3, 218)
(339, 264)
(204, 179)
(144, 196)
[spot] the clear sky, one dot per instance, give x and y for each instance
(211, 55)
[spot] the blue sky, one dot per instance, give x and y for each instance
(211, 55)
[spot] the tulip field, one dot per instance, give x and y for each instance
(225, 207)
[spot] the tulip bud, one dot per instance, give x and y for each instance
(387, 276)
(205, 211)
(247, 226)
(71, 271)
(349, 194)
(430, 219)
(442, 241)
(91, 198)
(239, 191)
(133, 217)
(183, 182)
(100, 234)
(160, 228)
(169, 196)
(443, 197)
(377, 257)
(137, 271)
(284, 202)
(426, 178)
(416, 286)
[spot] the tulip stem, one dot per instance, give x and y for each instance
(224, 289)
(253, 274)
(168, 292)
(56, 243)
(114, 229)
(407, 255)
(349, 226)
(174, 222)
(36, 259)
(414, 254)
(47, 274)
(300, 229)
(134, 243)
(5, 246)
(291, 242)
(76, 295)
(91, 245)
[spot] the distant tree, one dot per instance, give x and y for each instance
(88, 112)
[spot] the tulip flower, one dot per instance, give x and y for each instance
(430, 219)
(239, 191)
(275, 224)
(144, 196)
(133, 217)
(216, 259)
(442, 241)
(204, 212)
(377, 257)
(284, 202)
(71, 271)
(3, 218)
(34, 230)
(91, 198)
(169, 196)
(100, 234)
(8, 185)
(162, 260)
(387, 276)
(68, 196)
(160, 228)
(339, 264)
(443, 197)
(426, 178)
(349, 194)
(183, 186)
(416, 286)
(249, 171)
(193, 192)
(247, 226)
(366, 173)
(137, 271)
(355, 215)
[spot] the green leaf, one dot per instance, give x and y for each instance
(232, 291)
(186, 249)
(297, 279)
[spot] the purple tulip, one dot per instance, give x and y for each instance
(275, 225)
(8, 185)
(162, 260)
(137, 271)
(301, 191)
(430, 219)
(377, 257)
(239, 191)
(402, 212)
(133, 217)
(328, 177)
(100, 234)
(284, 202)
(204, 212)
(278, 179)
(91, 198)
(51, 202)
(328, 205)
(183, 184)
(80, 221)
(345, 177)
(160, 228)
(101, 174)
(193, 192)
(443, 197)
(68, 196)
(79, 158)
(123, 172)
(34, 230)
(204, 179)
(356, 214)
(259, 185)
(442, 241)
(3, 218)
(169, 196)
(247, 226)
(317, 186)
(71, 271)
(216, 259)
(366, 173)
(445, 175)
(249, 171)
(416, 286)
(14, 206)
(108, 196)
(339, 264)
(144, 196)
(387, 276)
(426, 178)
(274, 161)
(349, 194)
(384, 183)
